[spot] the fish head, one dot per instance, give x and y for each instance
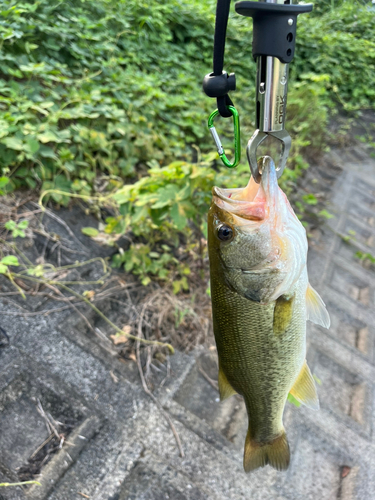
(255, 240)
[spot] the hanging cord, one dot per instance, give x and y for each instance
(219, 83)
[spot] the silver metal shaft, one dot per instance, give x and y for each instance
(272, 90)
(271, 96)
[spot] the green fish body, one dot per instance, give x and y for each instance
(260, 302)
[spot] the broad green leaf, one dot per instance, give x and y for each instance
(324, 213)
(47, 136)
(24, 224)
(3, 268)
(310, 199)
(13, 143)
(33, 145)
(10, 260)
(18, 233)
(37, 271)
(178, 217)
(3, 181)
(10, 225)
(90, 231)
(176, 287)
(47, 152)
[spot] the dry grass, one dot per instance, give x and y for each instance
(183, 320)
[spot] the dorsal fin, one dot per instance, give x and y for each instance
(315, 308)
(304, 389)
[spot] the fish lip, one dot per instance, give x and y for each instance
(264, 270)
(220, 193)
(256, 271)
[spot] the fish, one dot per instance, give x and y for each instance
(261, 299)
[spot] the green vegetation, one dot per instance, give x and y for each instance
(23, 483)
(100, 94)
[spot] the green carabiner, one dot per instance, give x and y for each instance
(237, 142)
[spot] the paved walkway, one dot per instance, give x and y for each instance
(119, 446)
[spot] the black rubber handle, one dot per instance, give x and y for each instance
(274, 32)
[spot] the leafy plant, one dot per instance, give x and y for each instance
(8, 260)
(103, 88)
(310, 199)
(365, 256)
(165, 211)
(325, 214)
(17, 229)
(90, 231)
(3, 183)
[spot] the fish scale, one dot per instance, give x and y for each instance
(253, 359)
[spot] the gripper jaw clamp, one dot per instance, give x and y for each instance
(255, 141)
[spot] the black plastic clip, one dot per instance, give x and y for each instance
(274, 32)
(219, 85)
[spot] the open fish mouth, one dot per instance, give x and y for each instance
(249, 204)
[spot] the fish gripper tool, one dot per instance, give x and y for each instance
(274, 38)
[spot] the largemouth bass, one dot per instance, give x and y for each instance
(261, 299)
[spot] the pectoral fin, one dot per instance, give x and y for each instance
(315, 308)
(282, 315)
(225, 389)
(304, 389)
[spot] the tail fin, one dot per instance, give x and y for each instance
(275, 453)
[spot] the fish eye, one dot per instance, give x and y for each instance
(225, 233)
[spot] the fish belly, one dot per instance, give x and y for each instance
(259, 364)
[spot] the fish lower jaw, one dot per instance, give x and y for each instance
(257, 271)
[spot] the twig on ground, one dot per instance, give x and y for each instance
(82, 494)
(41, 446)
(50, 426)
(168, 373)
(60, 221)
(145, 386)
(28, 214)
(24, 311)
(46, 312)
(212, 382)
(87, 301)
(56, 290)
(38, 313)
(148, 363)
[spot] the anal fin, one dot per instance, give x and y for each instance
(304, 389)
(315, 308)
(225, 389)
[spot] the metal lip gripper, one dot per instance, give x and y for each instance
(274, 35)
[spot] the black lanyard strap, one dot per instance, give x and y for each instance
(219, 83)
